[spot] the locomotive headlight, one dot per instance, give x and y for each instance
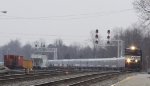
(128, 60)
(136, 60)
(132, 48)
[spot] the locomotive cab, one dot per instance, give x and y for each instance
(133, 58)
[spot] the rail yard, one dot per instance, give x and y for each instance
(39, 71)
(58, 78)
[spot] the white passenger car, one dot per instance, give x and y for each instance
(89, 63)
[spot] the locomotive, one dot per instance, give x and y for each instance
(133, 59)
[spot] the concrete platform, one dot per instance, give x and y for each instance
(136, 80)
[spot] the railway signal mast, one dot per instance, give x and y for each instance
(117, 42)
(96, 36)
(108, 37)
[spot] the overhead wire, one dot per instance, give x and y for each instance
(88, 15)
(3, 34)
(41, 34)
(35, 38)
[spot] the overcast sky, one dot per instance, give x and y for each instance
(70, 20)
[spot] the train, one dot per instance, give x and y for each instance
(40, 61)
(132, 61)
(99, 63)
(133, 58)
(16, 62)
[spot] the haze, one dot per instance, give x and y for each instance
(70, 20)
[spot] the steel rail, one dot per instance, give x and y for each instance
(26, 77)
(94, 80)
(74, 79)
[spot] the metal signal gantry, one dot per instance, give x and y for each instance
(43, 49)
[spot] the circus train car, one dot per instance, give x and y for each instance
(133, 59)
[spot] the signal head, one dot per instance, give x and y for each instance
(108, 31)
(96, 42)
(96, 30)
(96, 36)
(108, 37)
(108, 42)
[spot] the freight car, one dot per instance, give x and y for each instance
(16, 62)
(13, 61)
(101, 63)
(27, 64)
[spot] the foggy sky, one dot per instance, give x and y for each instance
(70, 20)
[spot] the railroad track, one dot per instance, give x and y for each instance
(84, 80)
(6, 79)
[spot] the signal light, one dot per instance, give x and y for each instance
(108, 42)
(96, 42)
(96, 36)
(97, 31)
(108, 37)
(108, 31)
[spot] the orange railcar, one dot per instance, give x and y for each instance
(13, 61)
(27, 64)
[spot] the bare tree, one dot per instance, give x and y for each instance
(14, 47)
(94, 46)
(143, 6)
(86, 52)
(58, 42)
(27, 51)
(74, 50)
(61, 48)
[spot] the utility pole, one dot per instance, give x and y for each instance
(3, 12)
(147, 61)
(96, 42)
